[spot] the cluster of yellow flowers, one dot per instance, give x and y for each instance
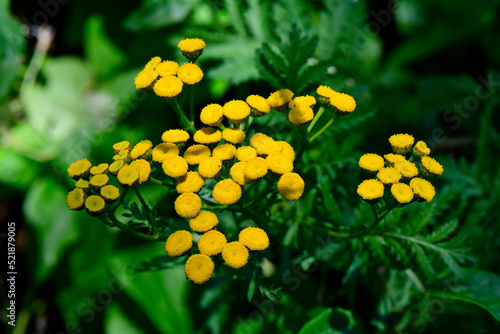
(199, 267)
(168, 77)
(394, 169)
(92, 189)
(220, 150)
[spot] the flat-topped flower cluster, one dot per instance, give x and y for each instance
(398, 171)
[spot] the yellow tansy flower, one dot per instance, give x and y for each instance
(163, 151)
(82, 184)
(422, 189)
(207, 136)
(291, 186)
(212, 114)
(279, 164)
(224, 152)
(246, 153)
(168, 67)
(279, 99)
(79, 169)
(128, 175)
(301, 115)
(389, 175)
(121, 146)
(142, 150)
(175, 166)
(212, 243)
(110, 193)
(236, 111)
(203, 222)
(371, 190)
(324, 95)
(195, 154)
(199, 268)
(75, 199)
(210, 167)
(191, 48)
(145, 79)
(237, 173)
(371, 162)
(287, 150)
(254, 238)
(192, 182)
(187, 205)
(258, 105)
(175, 136)
(420, 149)
(407, 169)
(168, 87)
(226, 192)
(235, 254)
(256, 168)
(115, 167)
(392, 158)
(401, 143)
(302, 101)
(431, 167)
(190, 74)
(402, 193)
(178, 243)
(144, 169)
(344, 104)
(122, 155)
(233, 136)
(99, 180)
(152, 64)
(100, 169)
(95, 205)
(264, 144)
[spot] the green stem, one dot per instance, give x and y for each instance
(181, 116)
(323, 129)
(271, 200)
(151, 219)
(302, 143)
(250, 121)
(191, 104)
(378, 218)
(270, 181)
(253, 216)
(160, 182)
(120, 201)
(316, 118)
(127, 229)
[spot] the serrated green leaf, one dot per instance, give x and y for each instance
(423, 261)
(442, 232)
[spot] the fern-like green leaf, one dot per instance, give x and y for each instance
(442, 232)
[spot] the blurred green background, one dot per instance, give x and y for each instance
(426, 68)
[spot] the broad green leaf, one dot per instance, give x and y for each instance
(17, 171)
(162, 295)
(476, 286)
(154, 14)
(51, 225)
(117, 322)
(104, 56)
(332, 321)
(12, 44)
